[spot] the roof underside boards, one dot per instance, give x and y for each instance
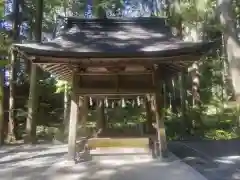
(89, 42)
(64, 71)
(60, 71)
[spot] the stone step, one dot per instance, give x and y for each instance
(123, 151)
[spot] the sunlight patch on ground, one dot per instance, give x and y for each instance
(236, 176)
(15, 155)
(37, 162)
(69, 176)
(104, 173)
(227, 159)
(118, 162)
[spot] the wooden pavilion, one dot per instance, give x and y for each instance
(108, 57)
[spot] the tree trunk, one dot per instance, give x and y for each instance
(66, 7)
(33, 94)
(226, 77)
(195, 84)
(1, 107)
(13, 75)
(232, 44)
(26, 61)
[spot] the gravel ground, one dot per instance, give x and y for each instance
(47, 162)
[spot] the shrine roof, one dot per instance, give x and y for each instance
(111, 42)
(112, 38)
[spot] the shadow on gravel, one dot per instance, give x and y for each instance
(216, 160)
(56, 155)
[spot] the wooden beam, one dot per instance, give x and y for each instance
(73, 119)
(115, 84)
(113, 74)
(130, 96)
(93, 91)
(106, 94)
(104, 61)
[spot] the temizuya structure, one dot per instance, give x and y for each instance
(105, 57)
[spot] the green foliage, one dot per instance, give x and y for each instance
(99, 5)
(62, 86)
(192, 11)
(3, 63)
(77, 7)
(2, 8)
(5, 42)
(219, 134)
(46, 133)
(51, 10)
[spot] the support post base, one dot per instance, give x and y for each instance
(157, 152)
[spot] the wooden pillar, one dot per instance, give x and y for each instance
(165, 95)
(183, 96)
(100, 115)
(73, 120)
(173, 95)
(149, 114)
(158, 105)
(160, 127)
(66, 113)
(83, 114)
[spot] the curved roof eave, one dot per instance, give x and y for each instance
(192, 48)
